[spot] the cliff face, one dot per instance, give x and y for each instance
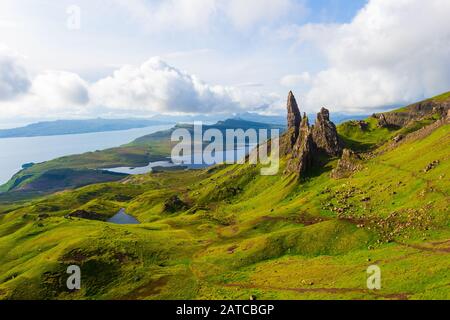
(305, 143)
(417, 111)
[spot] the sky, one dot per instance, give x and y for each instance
(135, 58)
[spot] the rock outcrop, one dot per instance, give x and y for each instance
(349, 163)
(325, 135)
(414, 112)
(293, 122)
(308, 144)
(83, 214)
(174, 204)
(303, 151)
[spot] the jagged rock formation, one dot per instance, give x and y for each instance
(421, 133)
(293, 121)
(311, 142)
(304, 149)
(414, 112)
(325, 135)
(349, 163)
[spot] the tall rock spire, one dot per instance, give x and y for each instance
(293, 113)
(293, 120)
(303, 150)
(307, 144)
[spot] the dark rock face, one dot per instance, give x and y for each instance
(417, 111)
(174, 204)
(325, 135)
(293, 120)
(304, 149)
(83, 214)
(349, 163)
(361, 124)
(307, 144)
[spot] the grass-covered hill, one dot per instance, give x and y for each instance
(228, 232)
(83, 169)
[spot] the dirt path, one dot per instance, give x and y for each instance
(375, 294)
(424, 248)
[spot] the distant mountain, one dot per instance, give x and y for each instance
(61, 127)
(208, 118)
(256, 117)
(338, 118)
(281, 120)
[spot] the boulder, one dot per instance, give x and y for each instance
(349, 163)
(325, 135)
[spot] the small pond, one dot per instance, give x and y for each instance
(122, 218)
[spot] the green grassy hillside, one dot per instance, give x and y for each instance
(368, 134)
(238, 233)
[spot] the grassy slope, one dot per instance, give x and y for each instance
(364, 139)
(244, 234)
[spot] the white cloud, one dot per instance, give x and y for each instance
(199, 14)
(392, 52)
(52, 94)
(293, 80)
(153, 87)
(244, 14)
(173, 14)
(14, 79)
(59, 88)
(157, 87)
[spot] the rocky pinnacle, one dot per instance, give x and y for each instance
(308, 144)
(293, 120)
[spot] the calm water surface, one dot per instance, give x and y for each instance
(14, 152)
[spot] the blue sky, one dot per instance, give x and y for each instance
(142, 57)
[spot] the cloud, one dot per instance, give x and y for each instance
(392, 52)
(294, 80)
(244, 14)
(147, 89)
(170, 14)
(157, 87)
(51, 94)
(202, 14)
(59, 88)
(14, 79)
